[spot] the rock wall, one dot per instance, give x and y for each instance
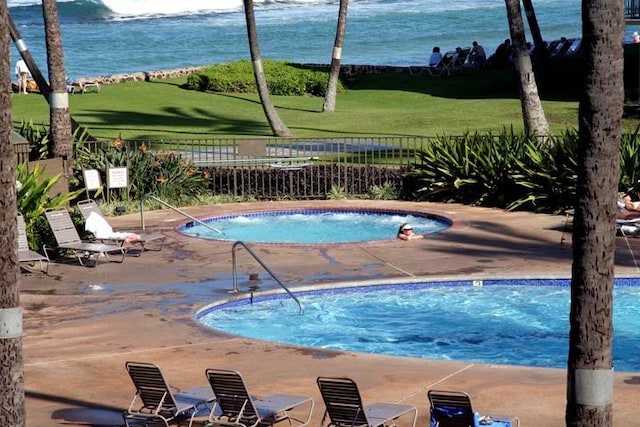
(346, 71)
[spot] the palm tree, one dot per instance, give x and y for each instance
(277, 126)
(334, 73)
(60, 119)
(589, 366)
(43, 84)
(11, 368)
(535, 121)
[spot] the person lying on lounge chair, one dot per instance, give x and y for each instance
(101, 229)
(627, 209)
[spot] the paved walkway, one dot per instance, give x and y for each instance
(82, 324)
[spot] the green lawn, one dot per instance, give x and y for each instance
(381, 105)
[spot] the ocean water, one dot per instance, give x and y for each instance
(103, 37)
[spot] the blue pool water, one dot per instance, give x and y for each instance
(314, 226)
(499, 322)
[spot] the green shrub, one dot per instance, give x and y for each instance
(282, 78)
(509, 170)
(34, 198)
(386, 191)
(165, 174)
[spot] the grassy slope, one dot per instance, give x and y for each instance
(381, 105)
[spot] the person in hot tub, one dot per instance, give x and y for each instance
(405, 232)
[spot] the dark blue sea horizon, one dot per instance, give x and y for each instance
(125, 36)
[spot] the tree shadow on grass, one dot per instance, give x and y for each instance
(173, 121)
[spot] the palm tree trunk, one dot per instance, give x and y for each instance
(538, 41)
(277, 126)
(43, 84)
(60, 119)
(535, 121)
(334, 73)
(12, 412)
(589, 366)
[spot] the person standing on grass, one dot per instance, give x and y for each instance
(22, 73)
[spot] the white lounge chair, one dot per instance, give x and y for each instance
(67, 238)
(97, 224)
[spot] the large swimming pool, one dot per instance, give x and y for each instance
(314, 226)
(501, 322)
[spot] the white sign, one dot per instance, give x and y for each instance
(117, 177)
(92, 179)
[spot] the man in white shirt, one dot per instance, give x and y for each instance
(22, 73)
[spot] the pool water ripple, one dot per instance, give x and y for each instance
(314, 226)
(506, 324)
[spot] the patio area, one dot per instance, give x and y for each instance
(82, 324)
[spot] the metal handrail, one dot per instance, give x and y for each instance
(255, 256)
(181, 212)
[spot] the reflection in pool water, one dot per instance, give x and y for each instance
(315, 226)
(500, 322)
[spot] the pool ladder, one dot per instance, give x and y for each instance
(181, 212)
(234, 249)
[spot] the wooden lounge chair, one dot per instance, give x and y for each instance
(154, 404)
(453, 409)
(147, 241)
(67, 238)
(234, 406)
(345, 408)
(25, 254)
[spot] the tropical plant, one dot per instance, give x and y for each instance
(386, 191)
(33, 188)
(165, 174)
(546, 176)
(38, 137)
(337, 193)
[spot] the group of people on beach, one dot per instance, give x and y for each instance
(477, 55)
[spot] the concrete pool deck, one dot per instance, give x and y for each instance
(82, 324)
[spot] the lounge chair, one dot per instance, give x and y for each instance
(154, 404)
(25, 254)
(345, 408)
(96, 223)
(444, 66)
(234, 406)
(67, 238)
(453, 409)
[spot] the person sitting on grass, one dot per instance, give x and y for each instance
(405, 232)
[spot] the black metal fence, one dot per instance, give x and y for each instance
(292, 168)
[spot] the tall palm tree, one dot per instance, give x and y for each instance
(277, 126)
(12, 409)
(589, 366)
(535, 121)
(60, 119)
(334, 73)
(43, 84)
